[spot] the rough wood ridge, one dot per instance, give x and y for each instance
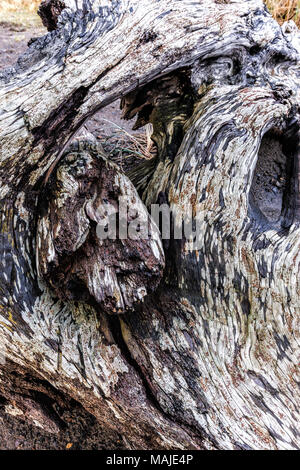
(205, 349)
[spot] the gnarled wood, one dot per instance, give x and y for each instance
(113, 271)
(209, 360)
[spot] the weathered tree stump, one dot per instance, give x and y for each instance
(176, 348)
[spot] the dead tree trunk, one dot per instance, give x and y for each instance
(204, 351)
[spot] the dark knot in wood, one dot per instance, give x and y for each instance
(49, 12)
(72, 259)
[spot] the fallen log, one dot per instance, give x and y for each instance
(191, 342)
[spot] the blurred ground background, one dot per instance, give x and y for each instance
(18, 23)
(24, 10)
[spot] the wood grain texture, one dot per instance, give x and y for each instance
(209, 360)
(113, 271)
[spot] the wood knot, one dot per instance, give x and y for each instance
(115, 272)
(49, 12)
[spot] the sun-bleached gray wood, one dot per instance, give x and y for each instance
(209, 359)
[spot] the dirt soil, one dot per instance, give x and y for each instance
(81, 430)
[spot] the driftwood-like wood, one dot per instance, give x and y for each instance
(204, 354)
(115, 273)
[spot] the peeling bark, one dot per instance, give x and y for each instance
(209, 358)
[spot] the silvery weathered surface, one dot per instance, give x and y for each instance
(210, 359)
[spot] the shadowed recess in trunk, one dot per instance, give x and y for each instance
(274, 192)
